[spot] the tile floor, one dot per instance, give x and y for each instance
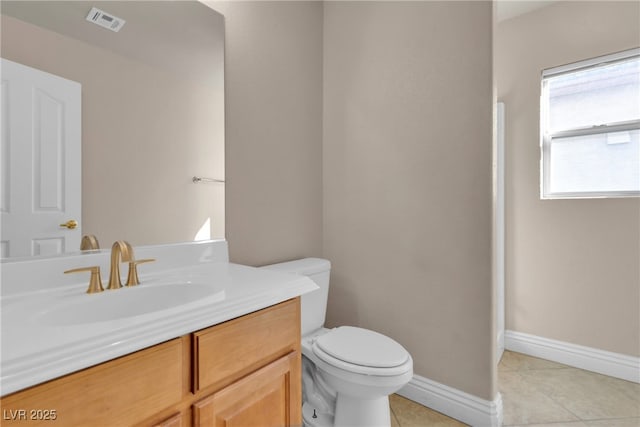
(539, 393)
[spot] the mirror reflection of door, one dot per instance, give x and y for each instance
(41, 161)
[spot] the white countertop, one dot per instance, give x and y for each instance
(34, 350)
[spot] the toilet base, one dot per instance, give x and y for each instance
(312, 417)
(354, 412)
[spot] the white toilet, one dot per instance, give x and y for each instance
(348, 373)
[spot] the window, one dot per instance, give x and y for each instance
(590, 128)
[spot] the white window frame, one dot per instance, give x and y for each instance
(546, 136)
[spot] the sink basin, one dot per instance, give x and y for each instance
(128, 302)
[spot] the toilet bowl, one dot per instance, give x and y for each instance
(348, 372)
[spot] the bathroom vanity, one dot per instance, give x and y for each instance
(231, 357)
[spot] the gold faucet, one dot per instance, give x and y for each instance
(89, 242)
(121, 251)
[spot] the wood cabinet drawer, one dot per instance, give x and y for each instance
(116, 393)
(231, 350)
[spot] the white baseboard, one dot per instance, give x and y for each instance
(587, 358)
(454, 403)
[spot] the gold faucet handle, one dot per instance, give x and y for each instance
(95, 282)
(132, 278)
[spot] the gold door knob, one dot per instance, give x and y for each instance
(71, 224)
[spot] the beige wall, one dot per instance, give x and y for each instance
(407, 203)
(572, 266)
(407, 180)
(273, 129)
(145, 133)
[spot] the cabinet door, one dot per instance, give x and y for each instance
(269, 397)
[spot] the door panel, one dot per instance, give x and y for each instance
(48, 145)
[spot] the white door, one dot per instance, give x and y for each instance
(40, 168)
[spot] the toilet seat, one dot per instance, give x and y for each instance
(362, 351)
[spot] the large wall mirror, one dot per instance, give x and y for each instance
(151, 117)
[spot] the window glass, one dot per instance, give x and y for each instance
(595, 96)
(596, 163)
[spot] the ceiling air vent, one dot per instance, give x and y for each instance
(105, 20)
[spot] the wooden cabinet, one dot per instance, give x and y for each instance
(242, 372)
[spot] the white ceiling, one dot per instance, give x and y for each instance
(507, 9)
(183, 36)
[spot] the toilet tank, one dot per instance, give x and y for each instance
(313, 304)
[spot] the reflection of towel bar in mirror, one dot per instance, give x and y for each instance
(198, 179)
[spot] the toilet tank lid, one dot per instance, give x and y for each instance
(304, 266)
